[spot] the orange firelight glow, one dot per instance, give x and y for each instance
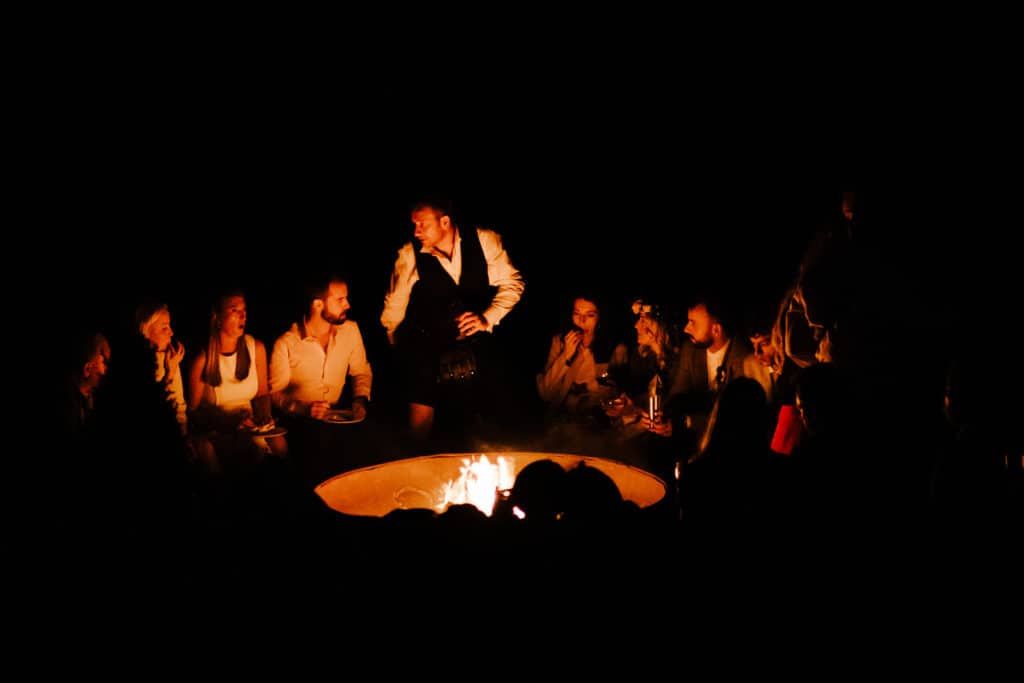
(436, 482)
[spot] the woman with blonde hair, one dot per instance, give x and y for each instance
(154, 324)
(649, 365)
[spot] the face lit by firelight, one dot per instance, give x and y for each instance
(698, 326)
(232, 317)
(336, 303)
(158, 330)
(585, 315)
(430, 227)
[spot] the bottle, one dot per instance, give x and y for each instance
(654, 396)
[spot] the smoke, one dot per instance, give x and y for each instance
(570, 439)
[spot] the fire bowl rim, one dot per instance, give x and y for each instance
(557, 456)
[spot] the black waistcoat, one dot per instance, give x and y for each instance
(435, 299)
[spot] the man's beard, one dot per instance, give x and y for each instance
(703, 344)
(332, 319)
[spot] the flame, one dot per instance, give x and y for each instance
(478, 483)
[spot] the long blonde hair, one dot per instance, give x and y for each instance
(662, 335)
(779, 330)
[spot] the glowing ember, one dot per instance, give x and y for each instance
(478, 483)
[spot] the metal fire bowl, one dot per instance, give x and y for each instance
(417, 482)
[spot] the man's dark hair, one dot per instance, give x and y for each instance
(442, 206)
(316, 287)
(719, 307)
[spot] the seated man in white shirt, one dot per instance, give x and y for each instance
(309, 368)
(311, 362)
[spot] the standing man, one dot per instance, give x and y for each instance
(448, 287)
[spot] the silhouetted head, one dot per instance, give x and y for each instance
(739, 417)
(822, 397)
(591, 496)
(539, 491)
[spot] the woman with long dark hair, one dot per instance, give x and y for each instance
(579, 359)
(229, 398)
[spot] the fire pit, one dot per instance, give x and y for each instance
(437, 481)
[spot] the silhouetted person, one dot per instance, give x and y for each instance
(539, 492)
(975, 485)
(592, 500)
(90, 356)
(735, 483)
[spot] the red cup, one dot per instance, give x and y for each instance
(787, 430)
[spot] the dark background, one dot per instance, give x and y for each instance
(175, 189)
(607, 231)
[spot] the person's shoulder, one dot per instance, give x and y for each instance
(490, 239)
(489, 233)
(198, 358)
(405, 254)
(689, 353)
(288, 336)
(348, 327)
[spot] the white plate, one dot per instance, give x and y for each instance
(276, 431)
(341, 417)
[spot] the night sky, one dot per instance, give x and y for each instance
(179, 197)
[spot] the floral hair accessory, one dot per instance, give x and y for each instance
(642, 307)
